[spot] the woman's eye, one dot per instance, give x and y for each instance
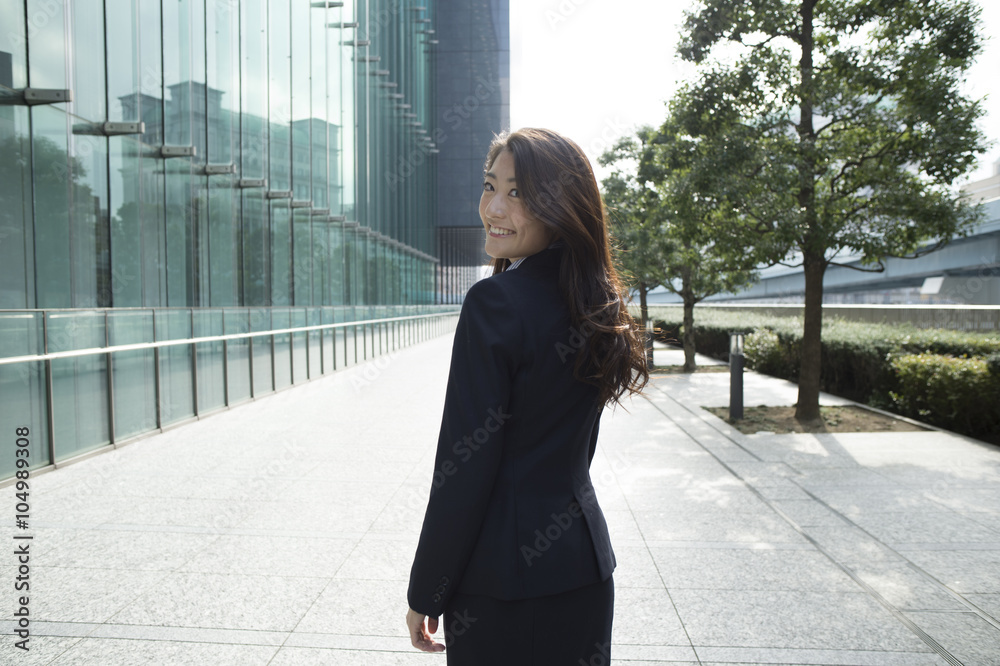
(488, 186)
(513, 193)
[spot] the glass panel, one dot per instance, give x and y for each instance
(54, 178)
(301, 106)
(280, 318)
(223, 131)
(47, 38)
(253, 89)
(133, 373)
(318, 117)
(279, 96)
(17, 287)
(281, 254)
(22, 389)
(177, 389)
(183, 79)
(336, 259)
(329, 341)
(184, 215)
(239, 356)
(13, 45)
(260, 320)
(151, 166)
(320, 261)
(223, 241)
(255, 248)
(136, 188)
(299, 367)
(334, 96)
(88, 85)
(79, 385)
(301, 257)
(211, 386)
(314, 317)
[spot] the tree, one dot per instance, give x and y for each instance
(669, 231)
(841, 127)
(639, 247)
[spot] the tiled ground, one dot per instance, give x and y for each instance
(281, 532)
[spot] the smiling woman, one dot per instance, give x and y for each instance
(512, 232)
(515, 560)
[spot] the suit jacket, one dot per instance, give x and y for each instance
(512, 512)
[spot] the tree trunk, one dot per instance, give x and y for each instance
(644, 319)
(643, 310)
(807, 409)
(689, 301)
(814, 261)
(689, 348)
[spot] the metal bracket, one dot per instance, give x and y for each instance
(34, 96)
(178, 151)
(251, 183)
(323, 212)
(109, 129)
(219, 169)
(301, 203)
(337, 218)
(278, 194)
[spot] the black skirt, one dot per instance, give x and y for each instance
(567, 629)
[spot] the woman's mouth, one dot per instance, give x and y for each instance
(499, 232)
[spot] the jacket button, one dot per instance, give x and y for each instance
(436, 598)
(444, 580)
(440, 589)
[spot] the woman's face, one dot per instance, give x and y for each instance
(512, 232)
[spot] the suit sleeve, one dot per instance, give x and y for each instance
(484, 357)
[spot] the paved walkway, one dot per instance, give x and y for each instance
(281, 532)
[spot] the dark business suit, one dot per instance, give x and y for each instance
(512, 513)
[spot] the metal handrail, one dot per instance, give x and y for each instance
(139, 346)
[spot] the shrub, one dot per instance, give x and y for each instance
(960, 394)
(856, 360)
(993, 363)
(764, 352)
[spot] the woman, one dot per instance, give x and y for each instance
(514, 552)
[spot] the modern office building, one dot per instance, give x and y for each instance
(964, 272)
(180, 169)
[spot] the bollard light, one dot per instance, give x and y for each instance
(735, 375)
(736, 343)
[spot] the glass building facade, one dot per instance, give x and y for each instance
(182, 169)
(472, 104)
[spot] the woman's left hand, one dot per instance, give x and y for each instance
(420, 637)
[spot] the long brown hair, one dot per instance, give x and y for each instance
(557, 184)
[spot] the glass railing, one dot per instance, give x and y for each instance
(81, 380)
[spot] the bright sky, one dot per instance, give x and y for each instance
(596, 69)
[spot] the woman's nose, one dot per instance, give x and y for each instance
(496, 207)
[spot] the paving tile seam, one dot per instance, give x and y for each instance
(987, 617)
(659, 574)
(891, 608)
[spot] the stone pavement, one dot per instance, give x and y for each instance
(281, 532)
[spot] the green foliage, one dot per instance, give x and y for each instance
(831, 129)
(993, 363)
(959, 394)
(861, 361)
(765, 353)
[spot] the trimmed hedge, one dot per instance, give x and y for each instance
(959, 394)
(860, 361)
